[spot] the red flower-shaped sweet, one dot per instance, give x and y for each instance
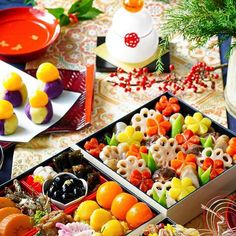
(217, 166)
(131, 40)
(231, 149)
(143, 179)
(183, 160)
(168, 107)
(158, 125)
(94, 147)
(187, 139)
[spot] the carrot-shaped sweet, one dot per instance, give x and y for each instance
(15, 225)
(6, 202)
(6, 211)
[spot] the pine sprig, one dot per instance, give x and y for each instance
(198, 21)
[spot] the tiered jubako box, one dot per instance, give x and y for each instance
(157, 216)
(189, 207)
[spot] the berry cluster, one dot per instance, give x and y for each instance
(199, 78)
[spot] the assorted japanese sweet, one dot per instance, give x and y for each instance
(39, 108)
(49, 77)
(169, 230)
(13, 89)
(8, 119)
(113, 212)
(165, 152)
(64, 188)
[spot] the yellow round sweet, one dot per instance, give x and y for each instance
(112, 227)
(6, 110)
(38, 99)
(47, 72)
(12, 82)
(85, 210)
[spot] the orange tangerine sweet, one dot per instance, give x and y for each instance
(133, 5)
(6, 110)
(106, 193)
(121, 204)
(12, 82)
(38, 99)
(138, 214)
(47, 72)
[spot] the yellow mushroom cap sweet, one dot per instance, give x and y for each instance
(38, 99)
(12, 81)
(47, 72)
(6, 110)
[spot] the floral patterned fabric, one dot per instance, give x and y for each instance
(74, 49)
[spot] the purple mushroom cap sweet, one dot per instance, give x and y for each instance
(54, 89)
(14, 97)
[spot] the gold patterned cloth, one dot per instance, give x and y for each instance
(74, 49)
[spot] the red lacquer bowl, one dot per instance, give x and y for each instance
(26, 33)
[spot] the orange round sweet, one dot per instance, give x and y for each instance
(38, 99)
(6, 110)
(107, 192)
(121, 204)
(47, 72)
(12, 82)
(133, 5)
(138, 214)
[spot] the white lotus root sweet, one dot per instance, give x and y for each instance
(159, 187)
(138, 121)
(164, 150)
(216, 154)
(125, 167)
(110, 155)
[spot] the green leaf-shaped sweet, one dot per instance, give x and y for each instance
(177, 125)
(144, 157)
(207, 142)
(155, 195)
(204, 175)
(162, 198)
(151, 163)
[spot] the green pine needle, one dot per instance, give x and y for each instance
(198, 21)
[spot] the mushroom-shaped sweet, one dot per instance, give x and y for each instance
(39, 108)
(49, 76)
(13, 89)
(8, 119)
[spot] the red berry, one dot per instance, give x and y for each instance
(171, 67)
(216, 76)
